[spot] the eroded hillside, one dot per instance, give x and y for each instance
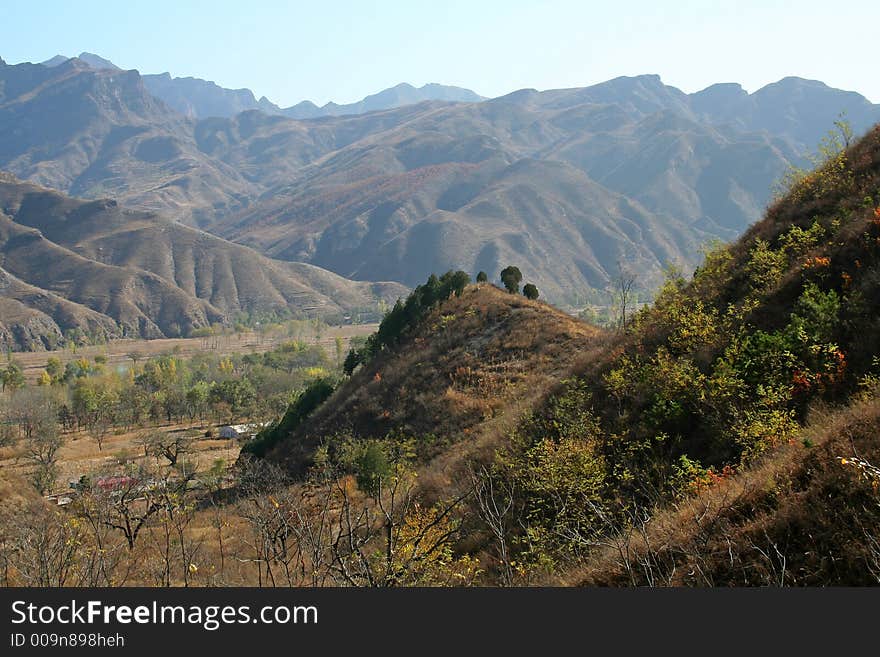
(68, 264)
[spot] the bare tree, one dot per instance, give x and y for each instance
(390, 540)
(495, 501)
(41, 450)
(39, 547)
(171, 446)
(623, 293)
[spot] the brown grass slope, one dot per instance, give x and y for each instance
(805, 516)
(808, 512)
(475, 364)
(146, 275)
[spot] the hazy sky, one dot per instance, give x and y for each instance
(343, 50)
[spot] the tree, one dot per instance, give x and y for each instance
(511, 277)
(40, 546)
(41, 449)
(353, 359)
(482, 277)
(340, 349)
(495, 498)
(172, 446)
(54, 369)
(197, 400)
(624, 283)
(12, 377)
(530, 291)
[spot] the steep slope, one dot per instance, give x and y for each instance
(468, 370)
(98, 133)
(738, 417)
(200, 99)
(98, 267)
(803, 516)
(794, 108)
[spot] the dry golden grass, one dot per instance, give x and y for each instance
(80, 454)
(799, 516)
(472, 368)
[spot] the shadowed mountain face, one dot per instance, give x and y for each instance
(566, 183)
(70, 264)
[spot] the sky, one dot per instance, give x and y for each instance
(343, 50)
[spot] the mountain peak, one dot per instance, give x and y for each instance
(96, 61)
(57, 60)
(89, 59)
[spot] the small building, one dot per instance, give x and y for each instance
(241, 431)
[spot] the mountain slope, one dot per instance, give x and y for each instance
(196, 98)
(472, 367)
(95, 133)
(98, 267)
(739, 416)
(570, 184)
(728, 436)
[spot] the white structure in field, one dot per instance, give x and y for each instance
(241, 431)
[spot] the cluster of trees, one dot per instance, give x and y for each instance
(511, 277)
(406, 314)
(91, 397)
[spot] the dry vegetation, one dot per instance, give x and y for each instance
(478, 360)
(725, 436)
(805, 515)
(124, 352)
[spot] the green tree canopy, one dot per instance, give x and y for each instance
(511, 277)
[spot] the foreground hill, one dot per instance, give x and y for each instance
(727, 436)
(467, 371)
(571, 183)
(70, 264)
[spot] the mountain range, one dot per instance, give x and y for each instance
(199, 99)
(571, 185)
(97, 268)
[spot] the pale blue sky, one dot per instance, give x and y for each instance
(343, 50)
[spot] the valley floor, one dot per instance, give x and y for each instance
(120, 352)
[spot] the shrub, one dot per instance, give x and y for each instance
(307, 401)
(511, 277)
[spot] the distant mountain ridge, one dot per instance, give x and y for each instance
(569, 184)
(67, 264)
(397, 96)
(199, 99)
